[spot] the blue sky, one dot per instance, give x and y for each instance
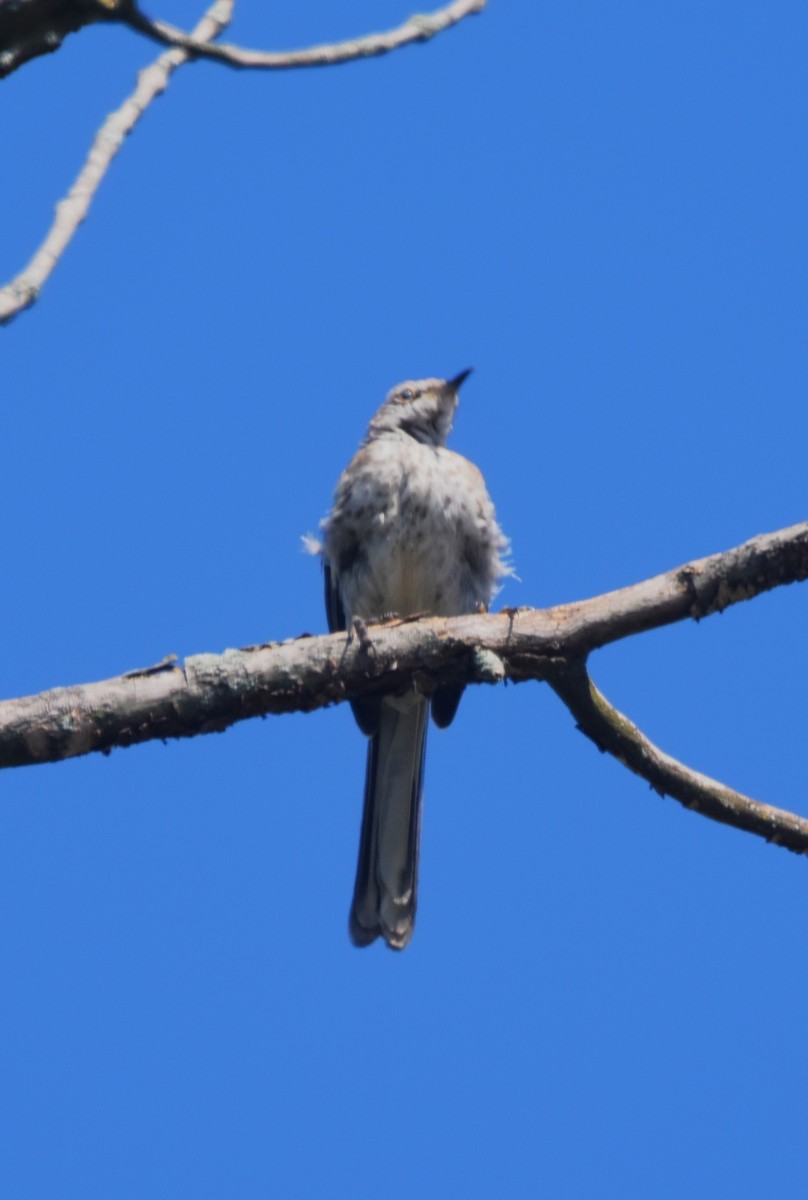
(601, 208)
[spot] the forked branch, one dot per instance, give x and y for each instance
(209, 692)
(22, 291)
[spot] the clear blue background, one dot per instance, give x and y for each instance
(602, 208)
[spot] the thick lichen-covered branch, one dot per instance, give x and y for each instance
(209, 692)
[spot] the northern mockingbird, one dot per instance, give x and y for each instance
(412, 530)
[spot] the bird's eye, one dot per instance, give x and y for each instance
(407, 394)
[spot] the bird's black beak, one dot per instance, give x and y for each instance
(460, 379)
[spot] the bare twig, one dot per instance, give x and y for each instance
(615, 734)
(418, 28)
(22, 291)
(210, 692)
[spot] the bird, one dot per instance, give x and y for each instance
(412, 530)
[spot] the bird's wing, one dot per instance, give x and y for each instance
(333, 605)
(366, 709)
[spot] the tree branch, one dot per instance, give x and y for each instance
(209, 692)
(613, 733)
(696, 590)
(418, 28)
(24, 289)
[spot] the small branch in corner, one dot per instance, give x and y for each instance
(613, 733)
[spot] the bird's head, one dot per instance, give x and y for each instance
(422, 408)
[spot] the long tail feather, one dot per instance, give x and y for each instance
(386, 888)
